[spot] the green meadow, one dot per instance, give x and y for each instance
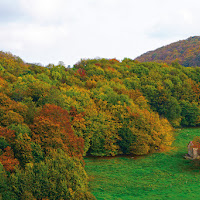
(158, 176)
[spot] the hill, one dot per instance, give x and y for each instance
(53, 116)
(186, 52)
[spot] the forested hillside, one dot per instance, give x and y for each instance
(186, 52)
(53, 116)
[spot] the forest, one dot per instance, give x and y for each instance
(52, 117)
(186, 52)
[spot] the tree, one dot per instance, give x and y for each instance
(22, 149)
(8, 160)
(57, 177)
(190, 113)
(104, 130)
(52, 129)
(5, 186)
(127, 139)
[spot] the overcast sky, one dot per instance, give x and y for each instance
(49, 31)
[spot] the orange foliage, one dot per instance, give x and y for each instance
(195, 88)
(8, 160)
(91, 84)
(8, 134)
(114, 60)
(12, 111)
(52, 129)
(78, 120)
(134, 94)
(3, 83)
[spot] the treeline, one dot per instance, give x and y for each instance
(40, 155)
(52, 116)
(186, 52)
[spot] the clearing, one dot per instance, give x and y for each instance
(158, 176)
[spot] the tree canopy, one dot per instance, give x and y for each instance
(53, 116)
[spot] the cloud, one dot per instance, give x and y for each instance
(178, 21)
(68, 30)
(10, 11)
(32, 41)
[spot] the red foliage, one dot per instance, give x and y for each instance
(8, 160)
(114, 60)
(8, 134)
(111, 69)
(73, 113)
(135, 115)
(132, 114)
(98, 64)
(52, 129)
(128, 109)
(81, 72)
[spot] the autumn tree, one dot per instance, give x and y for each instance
(8, 159)
(52, 129)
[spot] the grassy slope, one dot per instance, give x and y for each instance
(158, 176)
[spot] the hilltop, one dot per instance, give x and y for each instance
(186, 52)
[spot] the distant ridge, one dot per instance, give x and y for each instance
(186, 52)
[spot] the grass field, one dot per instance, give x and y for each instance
(158, 176)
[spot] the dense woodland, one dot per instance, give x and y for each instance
(53, 116)
(186, 52)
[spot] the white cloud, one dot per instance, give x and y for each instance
(52, 30)
(180, 20)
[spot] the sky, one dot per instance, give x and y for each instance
(49, 31)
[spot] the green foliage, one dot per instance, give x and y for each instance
(140, 70)
(190, 113)
(44, 77)
(31, 109)
(11, 117)
(170, 109)
(127, 138)
(132, 83)
(37, 152)
(3, 143)
(2, 68)
(22, 149)
(104, 135)
(20, 128)
(58, 177)
(5, 189)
